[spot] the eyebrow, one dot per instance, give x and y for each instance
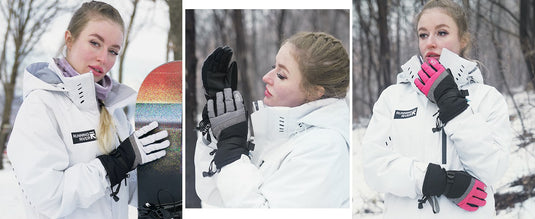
(436, 27)
(283, 67)
(102, 39)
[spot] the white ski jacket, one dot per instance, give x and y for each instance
(399, 142)
(53, 146)
(300, 160)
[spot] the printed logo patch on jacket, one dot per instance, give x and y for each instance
(404, 114)
(84, 136)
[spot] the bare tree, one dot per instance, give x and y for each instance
(127, 39)
(192, 200)
(26, 23)
(527, 36)
(174, 39)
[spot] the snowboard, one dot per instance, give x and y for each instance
(160, 182)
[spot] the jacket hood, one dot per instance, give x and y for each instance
(80, 89)
(464, 71)
(283, 122)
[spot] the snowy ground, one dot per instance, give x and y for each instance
(369, 204)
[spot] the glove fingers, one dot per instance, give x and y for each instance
(419, 84)
(154, 137)
(436, 65)
(232, 76)
(156, 147)
(427, 70)
(154, 156)
(145, 129)
(229, 101)
(210, 108)
(238, 99)
(220, 106)
(224, 59)
(468, 207)
(209, 62)
(477, 202)
(479, 193)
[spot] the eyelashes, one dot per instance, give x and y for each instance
(279, 74)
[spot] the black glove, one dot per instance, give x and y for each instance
(217, 74)
(229, 126)
(140, 148)
(460, 187)
(438, 85)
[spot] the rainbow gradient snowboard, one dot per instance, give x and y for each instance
(160, 182)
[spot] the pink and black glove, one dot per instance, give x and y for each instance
(439, 87)
(458, 186)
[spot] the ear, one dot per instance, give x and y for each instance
(68, 39)
(318, 92)
(464, 41)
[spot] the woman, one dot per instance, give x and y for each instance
(72, 144)
(301, 136)
(438, 140)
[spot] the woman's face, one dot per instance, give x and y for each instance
(283, 83)
(437, 30)
(96, 48)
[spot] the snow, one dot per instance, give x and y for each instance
(368, 203)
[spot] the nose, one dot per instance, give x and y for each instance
(102, 55)
(431, 42)
(268, 78)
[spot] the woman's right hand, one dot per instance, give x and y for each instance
(229, 126)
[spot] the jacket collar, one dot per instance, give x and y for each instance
(464, 71)
(282, 122)
(80, 89)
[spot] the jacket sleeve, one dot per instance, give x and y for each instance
(384, 169)
(314, 174)
(41, 164)
(205, 185)
(482, 137)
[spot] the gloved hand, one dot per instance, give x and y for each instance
(439, 86)
(458, 186)
(140, 148)
(217, 74)
(229, 126)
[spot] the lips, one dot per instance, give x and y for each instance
(267, 93)
(431, 55)
(97, 70)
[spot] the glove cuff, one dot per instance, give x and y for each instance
(119, 162)
(434, 180)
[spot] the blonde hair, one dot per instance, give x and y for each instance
(458, 14)
(323, 61)
(91, 11)
(106, 131)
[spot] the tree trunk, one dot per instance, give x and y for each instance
(241, 56)
(127, 40)
(175, 30)
(384, 46)
(280, 28)
(192, 200)
(527, 37)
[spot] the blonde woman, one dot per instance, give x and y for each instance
(438, 139)
(72, 147)
(301, 137)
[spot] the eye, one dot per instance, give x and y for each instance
(442, 33)
(113, 52)
(280, 76)
(423, 35)
(94, 43)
